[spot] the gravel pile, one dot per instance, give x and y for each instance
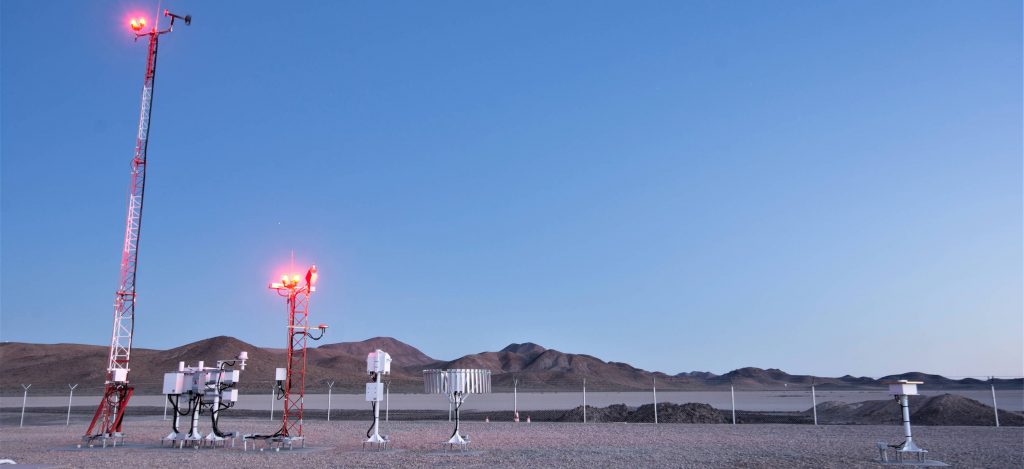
(569, 445)
(612, 413)
(667, 413)
(949, 409)
(675, 413)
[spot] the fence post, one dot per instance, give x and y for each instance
(330, 388)
(515, 399)
(273, 397)
(814, 403)
(654, 382)
(732, 392)
(72, 394)
(24, 399)
(995, 406)
(584, 400)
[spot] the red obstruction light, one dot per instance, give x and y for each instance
(137, 23)
(311, 276)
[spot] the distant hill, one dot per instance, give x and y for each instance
(50, 367)
(401, 353)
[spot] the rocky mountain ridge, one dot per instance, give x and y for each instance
(50, 367)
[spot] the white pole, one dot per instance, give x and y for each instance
(654, 381)
(449, 410)
(24, 399)
(330, 388)
(72, 394)
(995, 406)
(732, 390)
(814, 404)
(387, 399)
(376, 410)
(165, 409)
(584, 400)
(273, 397)
(515, 399)
(904, 402)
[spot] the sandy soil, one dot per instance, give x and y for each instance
(416, 444)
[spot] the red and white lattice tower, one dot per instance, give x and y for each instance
(294, 386)
(106, 423)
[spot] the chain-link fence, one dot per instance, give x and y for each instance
(965, 401)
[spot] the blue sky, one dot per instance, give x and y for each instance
(822, 187)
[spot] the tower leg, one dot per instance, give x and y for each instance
(109, 415)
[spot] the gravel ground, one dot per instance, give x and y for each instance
(504, 444)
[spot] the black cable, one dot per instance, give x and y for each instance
(174, 421)
(373, 408)
(214, 419)
(267, 437)
(192, 421)
(216, 430)
(187, 412)
(456, 431)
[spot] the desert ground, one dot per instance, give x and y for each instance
(506, 444)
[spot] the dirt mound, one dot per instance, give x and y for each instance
(675, 413)
(945, 409)
(667, 413)
(951, 409)
(612, 413)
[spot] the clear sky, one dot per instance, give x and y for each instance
(824, 187)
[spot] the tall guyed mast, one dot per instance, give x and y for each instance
(106, 423)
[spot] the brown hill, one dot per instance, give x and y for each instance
(941, 381)
(50, 367)
(401, 353)
(529, 349)
(539, 368)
